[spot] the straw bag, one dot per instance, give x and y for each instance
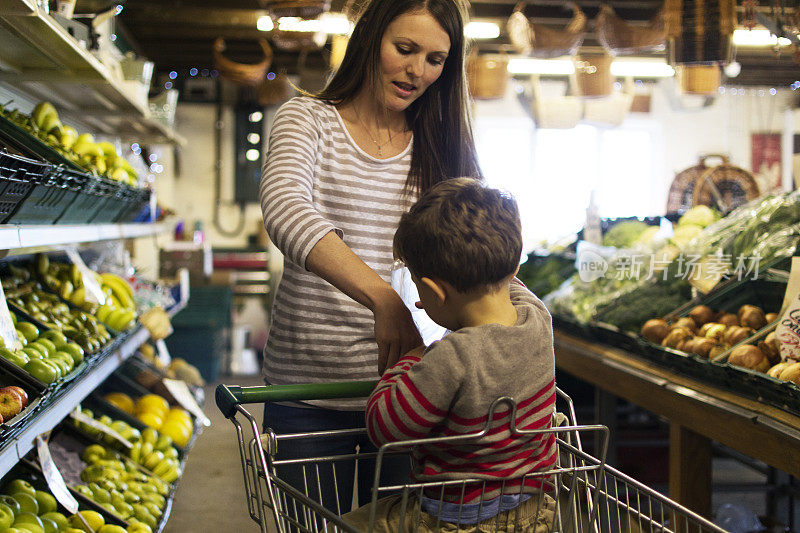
(487, 75)
(593, 75)
(699, 31)
(556, 112)
(618, 37)
(304, 9)
(699, 79)
(242, 73)
(537, 40)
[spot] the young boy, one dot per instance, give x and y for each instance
(461, 242)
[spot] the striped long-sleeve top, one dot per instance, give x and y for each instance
(316, 180)
(449, 390)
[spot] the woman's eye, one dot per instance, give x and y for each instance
(435, 61)
(404, 51)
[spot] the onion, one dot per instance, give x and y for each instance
(655, 330)
(749, 356)
(701, 314)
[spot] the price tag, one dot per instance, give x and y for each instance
(180, 391)
(94, 293)
(7, 330)
(53, 477)
(80, 417)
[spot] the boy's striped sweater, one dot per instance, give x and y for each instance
(449, 390)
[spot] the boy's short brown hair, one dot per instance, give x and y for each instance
(462, 232)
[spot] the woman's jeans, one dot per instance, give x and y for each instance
(284, 420)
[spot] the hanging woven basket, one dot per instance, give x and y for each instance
(699, 79)
(593, 75)
(536, 40)
(619, 37)
(248, 74)
(487, 75)
(699, 31)
(298, 41)
(304, 9)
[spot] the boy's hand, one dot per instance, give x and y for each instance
(395, 332)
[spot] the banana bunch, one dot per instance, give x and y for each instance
(119, 311)
(101, 158)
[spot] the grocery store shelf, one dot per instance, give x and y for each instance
(39, 57)
(76, 391)
(31, 236)
(70, 396)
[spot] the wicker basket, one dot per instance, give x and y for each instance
(593, 75)
(721, 185)
(537, 40)
(242, 73)
(618, 37)
(487, 75)
(304, 9)
(699, 79)
(554, 111)
(699, 31)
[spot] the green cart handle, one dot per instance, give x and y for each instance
(228, 397)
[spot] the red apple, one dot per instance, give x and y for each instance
(10, 403)
(22, 394)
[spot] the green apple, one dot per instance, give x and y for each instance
(83, 490)
(138, 527)
(7, 516)
(154, 509)
(63, 367)
(51, 347)
(11, 502)
(59, 518)
(155, 498)
(22, 339)
(28, 330)
(49, 525)
(42, 371)
(44, 349)
(29, 521)
(18, 357)
(63, 356)
(56, 337)
(111, 528)
(74, 350)
(47, 502)
(32, 353)
(20, 485)
(27, 503)
(93, 453)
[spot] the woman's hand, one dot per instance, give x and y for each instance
(395, 331)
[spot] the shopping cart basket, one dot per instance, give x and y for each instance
(588, 495)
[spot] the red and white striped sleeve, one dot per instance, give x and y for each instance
(411, 398)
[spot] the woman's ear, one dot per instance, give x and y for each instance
(438, 288)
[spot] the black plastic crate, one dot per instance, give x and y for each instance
(18, 176)
(138, 199)
(86, 204)
(111, 202)
(49, 198)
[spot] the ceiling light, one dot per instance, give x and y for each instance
(732, 69)
(330, 23)
(759, 37)
(265, 23)
(252, 154)
(482, 30)
(641, 68)
(526, 65)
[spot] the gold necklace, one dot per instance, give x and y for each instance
(377, 144)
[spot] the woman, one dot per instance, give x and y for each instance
(342, 167)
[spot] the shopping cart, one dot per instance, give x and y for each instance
(587, 494)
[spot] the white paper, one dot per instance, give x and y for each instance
(429, 330)
(94, 293)
(180, 391)
(53, 477)
(80, 417)
(7, 330)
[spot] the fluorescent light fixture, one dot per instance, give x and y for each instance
(330, 23)
(641, 68)
(554, 67)
(482, 30)
(264, 23)
(759, 37)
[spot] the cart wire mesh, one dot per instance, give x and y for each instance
(583, 493)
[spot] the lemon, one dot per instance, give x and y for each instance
(121, 400)
(93, 518)
(150, 419)
(152, 403)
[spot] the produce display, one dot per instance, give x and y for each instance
(155, 411)
(48, 355)
(13, 399)
(150, 449)
(543, 274)
(101, 158)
